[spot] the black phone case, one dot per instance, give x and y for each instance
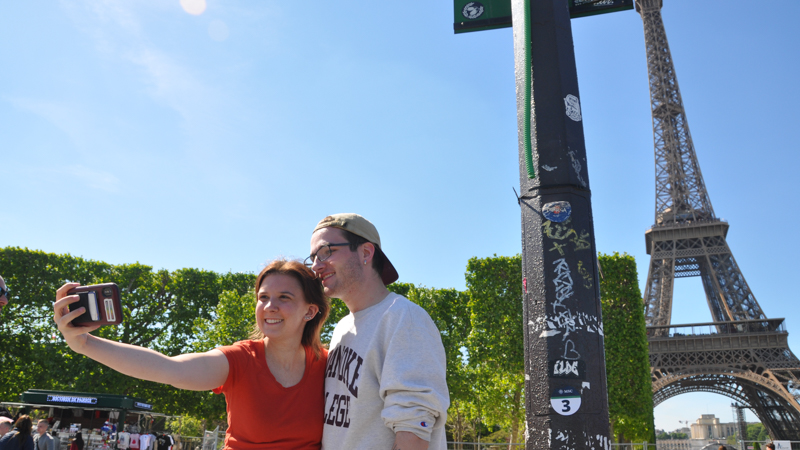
(102, 303)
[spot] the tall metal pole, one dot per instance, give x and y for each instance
(566, 398)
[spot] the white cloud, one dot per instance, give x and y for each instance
(174, 85)
(218, 30)
(128, 35)
(64, 176)
(117, 31)
(95, 179)
(67, 118)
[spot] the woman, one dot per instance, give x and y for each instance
(19, 437)
(78, 442)
(273, 384)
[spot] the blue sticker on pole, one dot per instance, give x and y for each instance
(557, 211)
(566, 400)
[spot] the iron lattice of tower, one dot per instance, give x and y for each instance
(741, 354)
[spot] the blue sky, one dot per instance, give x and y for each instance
(135, 131)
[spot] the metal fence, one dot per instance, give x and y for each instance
(211, 440)
(779, 445)
(208, 442)
(746, 445)
(634, 446)
(483, 446)
(191, 443)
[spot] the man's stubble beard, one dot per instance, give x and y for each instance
(349, 276)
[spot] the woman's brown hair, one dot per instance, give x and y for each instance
(24, 425)
(313, 293)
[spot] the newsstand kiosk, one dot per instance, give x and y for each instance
(74, 406)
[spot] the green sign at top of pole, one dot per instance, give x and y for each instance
(481, 15)
(469, 15)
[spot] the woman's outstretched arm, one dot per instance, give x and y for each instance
(193, 371)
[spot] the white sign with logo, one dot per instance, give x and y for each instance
(566, 400)
(472, 10)
(71, 399)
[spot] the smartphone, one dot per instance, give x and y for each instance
(102, 303)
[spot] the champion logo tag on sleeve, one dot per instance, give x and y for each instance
(424, 424)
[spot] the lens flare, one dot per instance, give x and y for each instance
(194, 7)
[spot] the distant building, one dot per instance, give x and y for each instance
(707, 430)
(709, 427)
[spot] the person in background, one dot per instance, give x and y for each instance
(79, 441)
(43, 440)
(5, 425)
(386, 382)
(3, 294)
(20, 437)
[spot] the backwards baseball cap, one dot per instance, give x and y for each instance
(364, 228)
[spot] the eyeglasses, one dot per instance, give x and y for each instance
(322, 254)
(4, 292)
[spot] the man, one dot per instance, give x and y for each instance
(43, 440)
(385, 384)
(3, 294)
(770, 446)
(6, 424)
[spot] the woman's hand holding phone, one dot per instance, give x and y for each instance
(76, 336)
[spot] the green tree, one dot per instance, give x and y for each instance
(757, 432)
(450, 312)
(232, 320)
(495, 342)
(630, 398)
(195, 310)
(159, 312)
(338, 311)
(186, 426)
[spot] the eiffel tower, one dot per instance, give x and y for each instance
(742, 354)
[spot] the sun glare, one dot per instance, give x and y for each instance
(194, 7)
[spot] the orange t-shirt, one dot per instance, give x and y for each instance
(262, 414)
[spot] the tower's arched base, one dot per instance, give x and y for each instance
(752, 365)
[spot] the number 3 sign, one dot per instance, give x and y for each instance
(566, 400)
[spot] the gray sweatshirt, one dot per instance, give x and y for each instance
(386, 373)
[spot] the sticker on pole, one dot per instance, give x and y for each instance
(573, 106)
(556, 211)
(563, 368)
(566, 400)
